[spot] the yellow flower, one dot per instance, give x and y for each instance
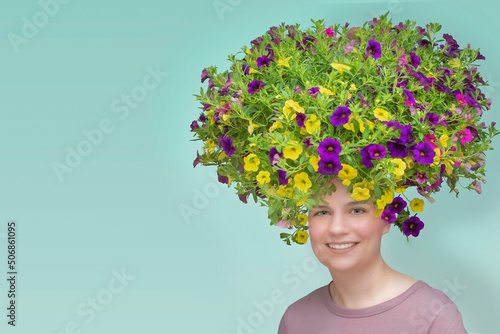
(301, 237)
(283, 62)
(252, 71)
(454, 63)
(381, 114)
(263, 177)
(251, 127)
(347, 172)
(417, 205)
(449, 169)
(284, 191)
(312, 124)
(350, 125)
(353, 87)
(443, 140)
(400, 166)
(400, 190)
(340, 67)
(302, 181)
(222, 155)
(251, 162)
(292, 152)
(324, 90)
(291, 105)
(388, 196)
(314, 162)
(409, 162)
(302, 218)
(276, 125)
(437, 157)
(360, 194)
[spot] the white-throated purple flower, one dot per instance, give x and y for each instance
(340, 116)
(424, 153)
(374, 49)
(329, 149)
(255, 86)
(275, 156)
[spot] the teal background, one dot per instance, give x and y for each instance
(224, 270)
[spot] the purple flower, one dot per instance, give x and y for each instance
(477, 186)
(197, 160)
(313, 92)
(204, 75)
(409, 99)
(340, 116)
(397, 206)
(371, 151)
(329, 149)
(364, 104)
(329, 166)
(432, 118)
(388, 216)
(423, 43)
(300, 118)
(421, 177)
(263, 61)
(228, 146)
(255, 86)
(283, 180)
(222, 178)
(275, 156)
(412, 226)
(374, 49)
(397, 149)
(194, 125)
(406, 134)
(297, 90)
(424, 153)
(245, 69)
(308, 142)
(414, 60)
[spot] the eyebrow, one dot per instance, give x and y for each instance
(349, 204)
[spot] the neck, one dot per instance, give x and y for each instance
(361, 288)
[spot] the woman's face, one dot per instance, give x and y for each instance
(344, 233)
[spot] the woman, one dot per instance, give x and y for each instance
(365, 295)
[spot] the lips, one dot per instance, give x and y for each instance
(340, 246)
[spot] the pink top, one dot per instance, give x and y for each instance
(420, 309)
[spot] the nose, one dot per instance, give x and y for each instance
(338, 224)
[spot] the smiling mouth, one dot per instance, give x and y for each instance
(342, 246)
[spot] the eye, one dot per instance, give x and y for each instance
(358, 211)
(321, 213)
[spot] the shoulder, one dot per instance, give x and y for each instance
(313, 300)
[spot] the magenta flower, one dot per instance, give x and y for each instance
(412, 226)
(255, 86)
(388, 216)
(329, 166)
(424, 153)
(329, 149)
(465, 136)
(194, 125)
(263, 61)
(204, 75)
(300, 118)
(313, 92)
(431, 140)
(461, 99)
(409, 99)
(374, 49)
(228, 146)
(397, 206)
(421, 177)
(340, 116)
(297, 90)
(329, 32)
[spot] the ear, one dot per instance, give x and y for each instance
(386, 228)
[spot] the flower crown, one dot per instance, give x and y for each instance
(381, 107)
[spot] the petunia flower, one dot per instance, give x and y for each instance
(397, 149)
(347, 173)
(284, 62)
(340, 67)
(204, 75)
(292, 152)
(329, 32)
(465, 136)
(300, 118)
(329, 149)
(251, 162)
(263, 61)
(388, 216)
(398, 205)
(409, 99)
(417, 205)
(360, 194)
(329, 166)
(302, 182)
(308, 142)
(263, 177)
(421, 177)
(340, 116)
(255, 86)
(313, 92)
(228, 146)
(412, 226)
(414, 60)
(297, 90)
(424, 153)
(374, 49)
(301, 237)
(275, 156)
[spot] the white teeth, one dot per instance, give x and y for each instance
(341, 246)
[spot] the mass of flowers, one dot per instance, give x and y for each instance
(382, 107)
